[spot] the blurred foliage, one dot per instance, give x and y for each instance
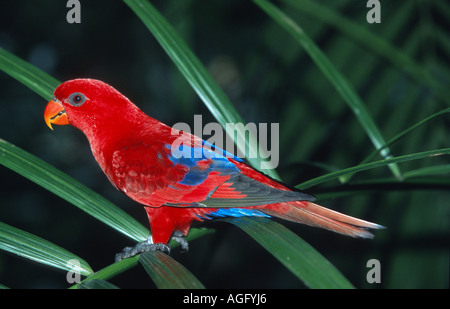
(269, 78)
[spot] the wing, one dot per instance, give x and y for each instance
(153, 174)
(193, 176)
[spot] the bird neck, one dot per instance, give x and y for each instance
(111, 136)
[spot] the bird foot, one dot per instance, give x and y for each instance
(141, 247)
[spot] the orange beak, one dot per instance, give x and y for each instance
(55, 113)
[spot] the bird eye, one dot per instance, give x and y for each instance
(77, 99)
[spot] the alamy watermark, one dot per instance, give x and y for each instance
(217, 140)
(374, 14)
(374, 273)
(74, 14)
(74, 274)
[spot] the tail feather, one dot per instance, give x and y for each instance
(318, 216)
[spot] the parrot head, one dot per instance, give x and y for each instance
(86, 104)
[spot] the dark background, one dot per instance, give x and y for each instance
(269, 79)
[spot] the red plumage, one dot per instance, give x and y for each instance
(137, 155)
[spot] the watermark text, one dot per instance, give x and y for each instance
(219, 142)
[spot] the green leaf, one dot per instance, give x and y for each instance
(40, 250)
(373, 42)
(405, 132)
(110, 271)
(71, 190)
(29, 75)
(415, 180)
(293, 252)
(342, 86)
(168, 273)
(367, 166)
(96, 284)
(428, 171)
(201, 81)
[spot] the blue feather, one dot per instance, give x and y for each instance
(189, 156)
(235, 213)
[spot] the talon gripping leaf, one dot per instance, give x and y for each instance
(175, 175)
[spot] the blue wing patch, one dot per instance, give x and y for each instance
(190, 158)
(234, 212)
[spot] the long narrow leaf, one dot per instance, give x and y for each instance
(429, 171)
(40, 250)
(110, 271)
(69, 189)
(367, 166)
(97, 284)
(342, 86)
(32, 77)
(293, 252)
(201, 81)
(168, 273)
(405, 132)
(345, 178)
(410, 183)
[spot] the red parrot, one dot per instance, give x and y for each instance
(179, 184)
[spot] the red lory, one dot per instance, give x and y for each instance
(178, 185)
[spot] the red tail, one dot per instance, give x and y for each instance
(312, 214)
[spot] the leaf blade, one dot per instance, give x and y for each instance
(110, 271)
(293, 252)
(34, 248)
(29, 75)
(168, 273)
(367, 166)
(96, 284)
